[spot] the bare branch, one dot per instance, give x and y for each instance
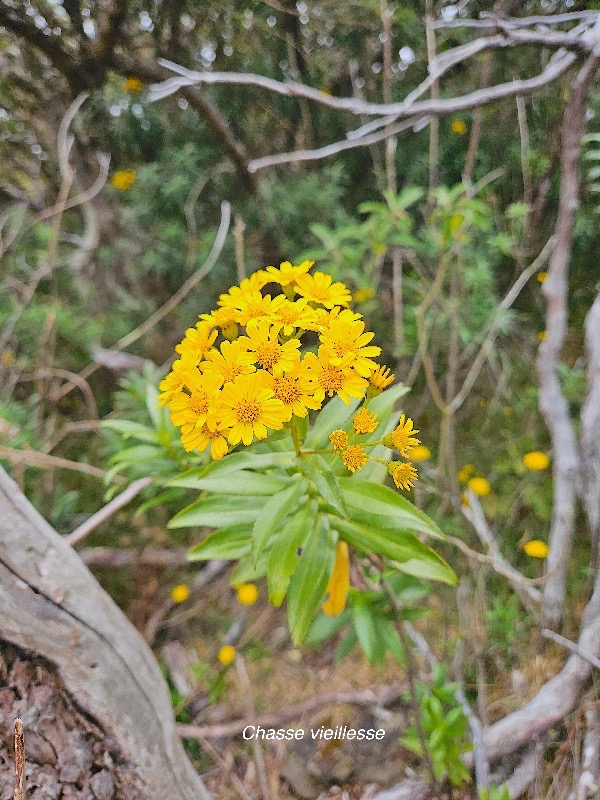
(590, 425)
(574, 648)
(552, 402)
(34, 458)
(126, 496)
(530, 596)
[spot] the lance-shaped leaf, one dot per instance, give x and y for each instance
(242, 482)
(317, 469)
(233, 463)
(382, 507)
(228, 543)
(366, 631)
(284, 555)
(273, 513)
(218, 512)
(410, 555)
(308, 582)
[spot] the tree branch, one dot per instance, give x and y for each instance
(553, 405)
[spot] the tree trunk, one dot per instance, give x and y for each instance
(62, 635)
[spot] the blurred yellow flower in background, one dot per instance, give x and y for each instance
(132, 85)
(465, 472)
(226, 654)
(420, 453)
(536, 460)
(480, 486)
(180, 593)
(542, 336)
(123, 179)
(536, 548)
(541, 276)
(247, 594)
(458, 127)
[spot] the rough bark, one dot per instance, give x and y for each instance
(53, 609)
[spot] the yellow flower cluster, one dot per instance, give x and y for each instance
(256, 378)
(242, 371)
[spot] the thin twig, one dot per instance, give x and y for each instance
(572, 646)
(225, 767)
(109, 509)
(34, 458)
(530, 596)
(20, 789)
(72, 377)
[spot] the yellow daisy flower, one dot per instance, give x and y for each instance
(333, 379)
(262, 339)
(339, 440)
(380, 378)
(295, 389)
(403, 474)
(287, 273)
(247, 594)
(542, 276)
(249, 408)
(536, 548)
(255, 282)
(220, 318)
(465, 472)
(175, 380)
(480, 486)
(132, 85)
(345, 337)
(229, 361)
(194, 438)
(248, 305)
(354, 457)
(226, 655)
(197, 406)
(290, 315)
(180, 593)
(402, 438)
(197, 341)
(536, 460)
(123, 179)
(362, 295)
(320, 289)
(365, 421)
(458, 126)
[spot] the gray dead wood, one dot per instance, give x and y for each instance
(53, 607)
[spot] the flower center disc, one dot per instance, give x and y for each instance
(287, 390)
(268, 355)
(248, 411)
(331, 379)
(199, 402)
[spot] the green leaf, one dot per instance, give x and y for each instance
(233, 463)
(273, 513)
(365, 628)
(218, 512)
(332, 417)
(246, 570)
(411, 555)
(242, 482)
(346, 645)
(228, 543)
(309, 581)
(128, 428)
(284, 558)
(317, 470)
(379, 505)
(391, 639)
(384, 403)
(155, 413)
(324, 627)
